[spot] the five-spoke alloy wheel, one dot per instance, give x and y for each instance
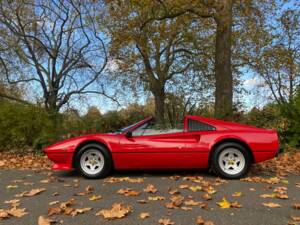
(230, 160)
(93, 161)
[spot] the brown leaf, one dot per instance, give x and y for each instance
(3, 214)
(271, 204)
(17, 212)
(54, 211)
(13, 202)
(201, 221)
(282, 196)
(191, 202)
(280, 190)
(176, 177)
(88, 190)
(296, 206)
(272, 180)
(184, 186)
(165, 222)
(296, 218)
(53, 203)
(144, 215)
(174, 191)
(128, 192)
(210, 190)
(68, 203)
(68, 211)
(235, 205)
(156, 198)
(150, 189)
(268, 195)
(75, 212)
(31, 192)
(206, 196)
(45, 221)
(117, 211)
(176, 201)
(121, 179)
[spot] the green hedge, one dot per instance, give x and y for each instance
(23, 126)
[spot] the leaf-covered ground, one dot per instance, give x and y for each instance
(31, 194)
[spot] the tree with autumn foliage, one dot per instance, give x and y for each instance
(157, 54)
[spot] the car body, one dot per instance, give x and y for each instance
(190, 147)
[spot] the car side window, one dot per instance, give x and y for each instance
(153, 128)
(194, 125)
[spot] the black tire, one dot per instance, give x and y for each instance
(215, 160)
(108, 164)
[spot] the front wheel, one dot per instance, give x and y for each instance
(231, 160)
(93, 161)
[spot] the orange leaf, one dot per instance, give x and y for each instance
(117, 211)
(128, 192)
(31, 192)
(150, 189)
(296, 206)
(271, 204)
(17, 212)
(165, 222)
(144, 215)
(45, 221)
(156, 198)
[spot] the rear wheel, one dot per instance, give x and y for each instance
(93, 161)
(231, 160)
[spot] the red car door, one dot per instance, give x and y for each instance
(155, 150)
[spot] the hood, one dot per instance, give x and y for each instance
(70, 143)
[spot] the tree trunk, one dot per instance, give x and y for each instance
(223, 73)
(159, 101)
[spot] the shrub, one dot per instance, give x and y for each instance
(24, 126)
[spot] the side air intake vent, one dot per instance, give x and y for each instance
(194, 125)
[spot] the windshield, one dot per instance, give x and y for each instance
(122, 130)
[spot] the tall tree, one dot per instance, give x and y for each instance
(221, 11)
(154, 55)
(52, 46)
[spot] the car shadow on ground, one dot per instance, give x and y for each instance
(254, 171)
(143, 173)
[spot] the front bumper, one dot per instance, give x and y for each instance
(62, 159)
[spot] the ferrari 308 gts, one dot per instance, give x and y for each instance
(227, 148)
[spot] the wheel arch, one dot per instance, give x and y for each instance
(87, 142)
(230, 140)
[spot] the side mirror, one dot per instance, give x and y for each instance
(128, 134)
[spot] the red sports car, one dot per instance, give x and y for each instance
(227, 148)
